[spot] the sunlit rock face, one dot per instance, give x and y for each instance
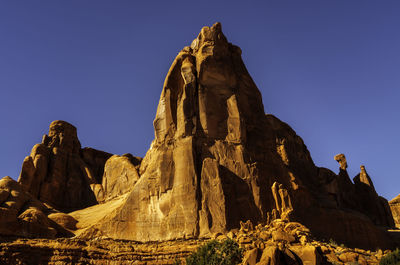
(60, 173)
(22, 215)
(218, 159)
(395, 208)
(197, 171)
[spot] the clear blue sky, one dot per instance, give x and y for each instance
(329, 68)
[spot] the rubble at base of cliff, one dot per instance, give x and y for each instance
(280, 242)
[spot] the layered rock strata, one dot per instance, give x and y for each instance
(279, 242)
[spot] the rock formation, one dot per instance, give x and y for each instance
(280, 242)
(363, 178)
(216, 156)
(216, 162)
(120, 175)
(59, 172)
(24, 216)
(341, 159)
(56, 172)
(395, 208)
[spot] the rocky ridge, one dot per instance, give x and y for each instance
(217, 160)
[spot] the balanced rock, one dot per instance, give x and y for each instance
(341, 159)
(216, 156)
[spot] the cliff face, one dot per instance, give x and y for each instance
(218, 159)
(395, 208)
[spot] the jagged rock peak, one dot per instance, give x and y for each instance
(59, 172)
(24, 216)
(208, 92)
(216, 161)
(58, 126)
(212, 35)
(341, 159)
(364, 178)
(63, 135)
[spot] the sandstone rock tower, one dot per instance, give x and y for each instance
(218, 159)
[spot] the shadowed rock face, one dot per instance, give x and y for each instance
(218, 159)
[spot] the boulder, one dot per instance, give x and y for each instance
(24, 216)
(55, 172)
(120, 175)
(282, 236)
(348, 257)
(65, 220)
(250, 257)
(270, 256)
(308, 255)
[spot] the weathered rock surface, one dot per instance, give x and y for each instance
(24, 216)
(257, 249)
(302, 248)
(395, 208)
(120, 175)
(56, 172)
(217, 159)
(341, 159)
(62, 174)
(77, 251)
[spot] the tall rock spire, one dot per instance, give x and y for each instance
(217, 160)
(208, 92)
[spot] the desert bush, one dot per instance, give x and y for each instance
(392, 258)
(214, 252)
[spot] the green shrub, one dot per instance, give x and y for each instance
(393, 258)
(214, 252)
